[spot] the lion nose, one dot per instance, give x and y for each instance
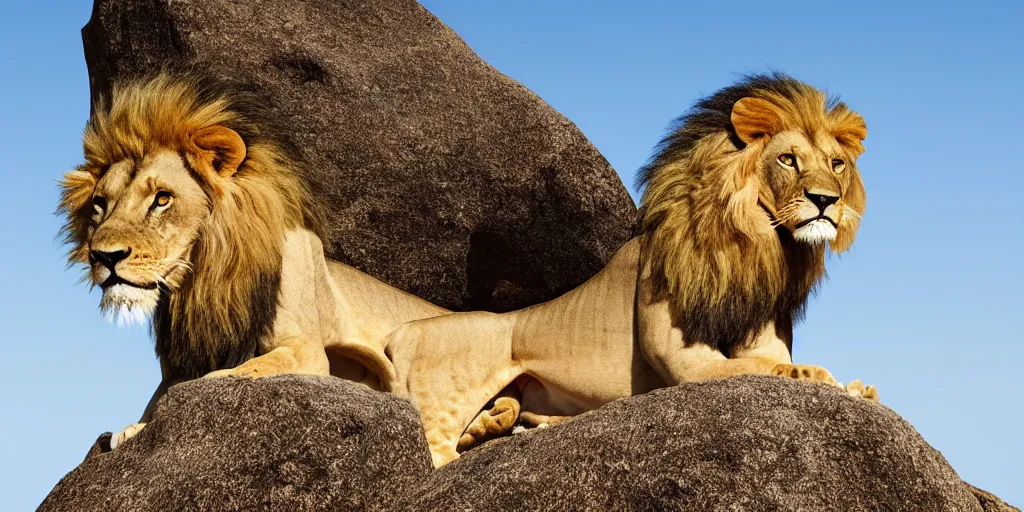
(109, 259)
(822, 201)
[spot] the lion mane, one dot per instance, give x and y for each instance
(228, 301)
(702, 216)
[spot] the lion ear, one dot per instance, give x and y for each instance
(221, 147)
(755, 117)
(849, 130)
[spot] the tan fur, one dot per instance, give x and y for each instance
(710, 288)
(238, 229)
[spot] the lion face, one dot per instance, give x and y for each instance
(138, 211)
(806, 163)
(146, 217)
(808, 181)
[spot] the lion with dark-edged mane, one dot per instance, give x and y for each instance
(742, 201)
(189, 208)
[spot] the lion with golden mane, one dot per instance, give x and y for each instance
(189, 208)
(742, 201)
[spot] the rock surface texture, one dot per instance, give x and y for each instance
(441, 175)
(310, 443)
(285, 443)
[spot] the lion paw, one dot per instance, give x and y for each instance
(276, 362)
(240, 372)
(859, 389)
(805, 372)
(498, 420)
(127, 433)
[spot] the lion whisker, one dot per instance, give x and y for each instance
(180, 264)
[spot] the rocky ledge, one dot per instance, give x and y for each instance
(306, 443)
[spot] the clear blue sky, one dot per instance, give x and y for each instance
(927, 305)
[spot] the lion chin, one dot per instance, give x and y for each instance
(128, 305)
(816, 232)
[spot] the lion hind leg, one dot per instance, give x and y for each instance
(446, 415)
(450, 367)
(494, 421)
(363, 364)
(533, 420)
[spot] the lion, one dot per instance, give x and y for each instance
(741, 203)
(189, 209)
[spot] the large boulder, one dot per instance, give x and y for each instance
(747, 443)
(441, 175)
(284, 443)
(315, 443)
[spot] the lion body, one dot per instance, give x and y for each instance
(740, 202)
(597, 315)
(331, 319)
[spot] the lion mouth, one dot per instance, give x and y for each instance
(816, 231)
(812, 219)
(115, 279)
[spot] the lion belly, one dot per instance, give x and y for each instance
(594, 382)
(581, 347)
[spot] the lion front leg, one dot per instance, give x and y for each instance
(125, 434)
(132, 430)
(805, 372)
(279, 361)
(289, 359)
(818, 374)
(857, 388)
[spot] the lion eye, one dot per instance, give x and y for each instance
(787, 159)
(99, 203)
(838, 165)
(163, 198)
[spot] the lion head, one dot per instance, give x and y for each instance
(741, 201)
(180, 210)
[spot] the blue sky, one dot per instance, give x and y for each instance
(925, 305)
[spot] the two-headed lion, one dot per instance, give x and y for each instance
(741, 201)
(190, 208)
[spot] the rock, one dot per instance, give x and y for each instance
(748, 443)
(309, 443)
(442, 176)
(281, 443)
(990, 502)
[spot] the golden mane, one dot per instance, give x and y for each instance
(228, 301)
(705, 217)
